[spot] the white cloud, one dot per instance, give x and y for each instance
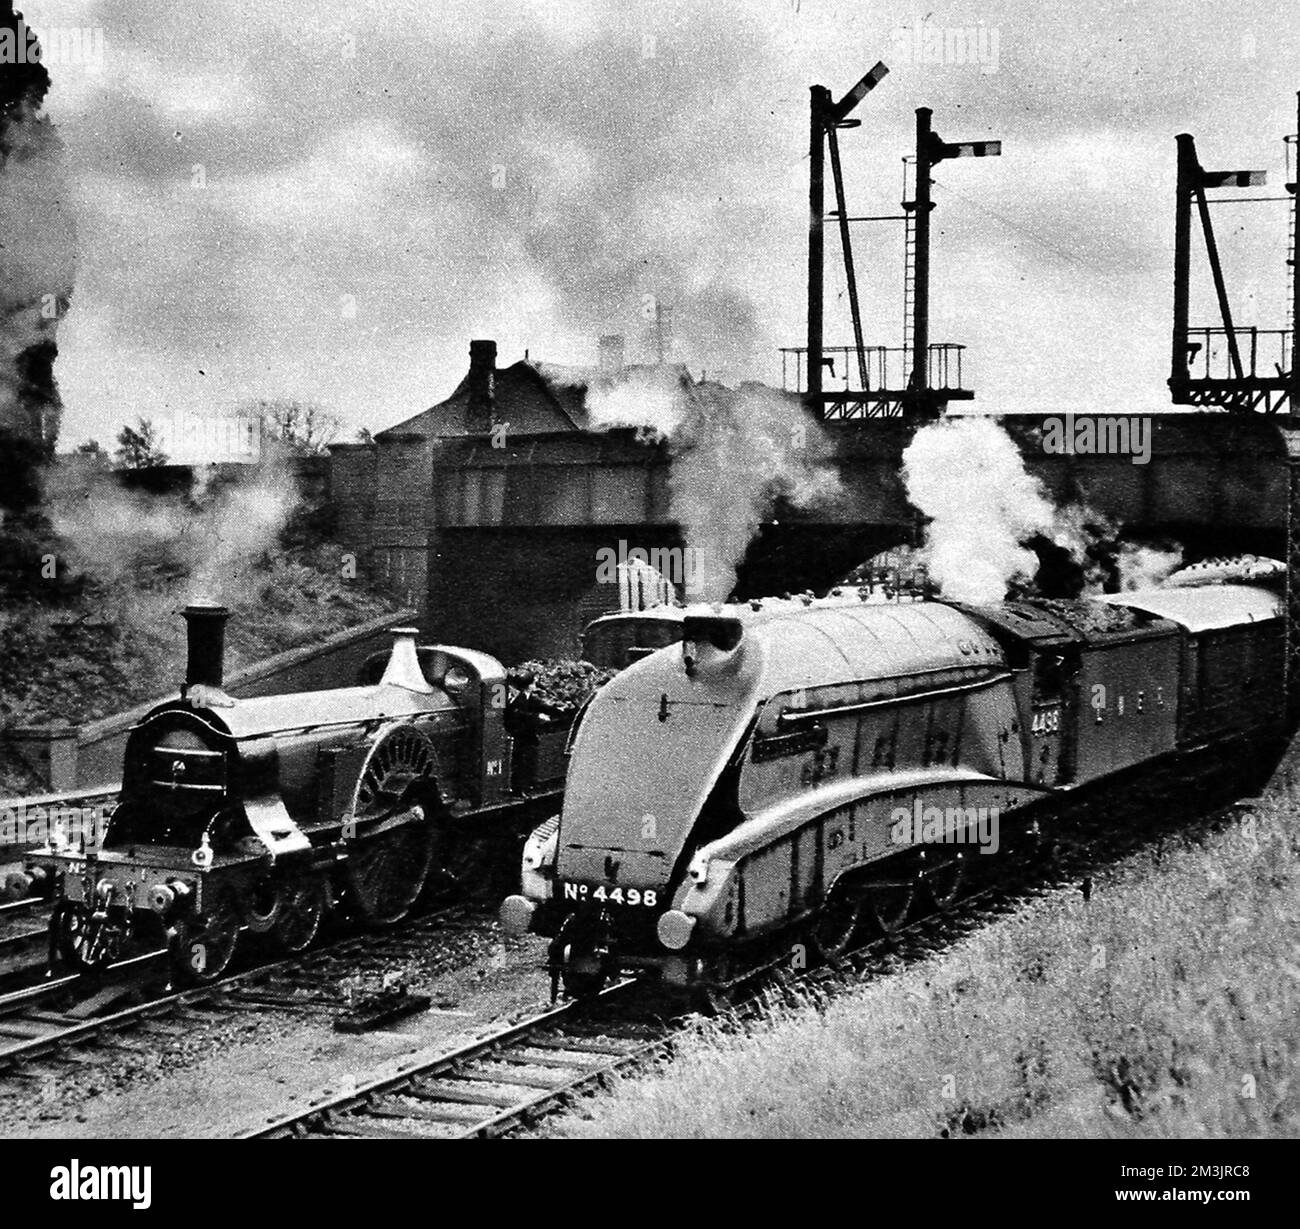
(674, 167)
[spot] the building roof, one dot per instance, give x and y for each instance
(526, 399)
(537, 398)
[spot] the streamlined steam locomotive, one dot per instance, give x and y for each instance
(254, 816)
(813, 767)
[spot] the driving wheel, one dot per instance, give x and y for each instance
(386, 872)
(838, 922)
(887, 900)
(943, 875)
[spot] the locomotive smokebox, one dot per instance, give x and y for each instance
(205, 628)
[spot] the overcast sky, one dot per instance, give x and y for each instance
(310, 200)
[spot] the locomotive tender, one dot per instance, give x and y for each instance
(811, 767)
(256, 815)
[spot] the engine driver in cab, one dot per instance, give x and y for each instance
(526, 715)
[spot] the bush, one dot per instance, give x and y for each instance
(118, 645)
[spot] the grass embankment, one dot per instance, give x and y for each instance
(121, 644)
(1166, 1005)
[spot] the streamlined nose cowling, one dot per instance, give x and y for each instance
(648, 755)
(645, 765)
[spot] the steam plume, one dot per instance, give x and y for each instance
(734, 453)
(966, 475)
(1144, 567)
(138, 545)
(992, 527)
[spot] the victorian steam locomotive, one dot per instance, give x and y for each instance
(254, 816)
(813, 767)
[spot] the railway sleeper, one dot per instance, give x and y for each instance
(360, 1131)
(582, 1047)
(509, 1080)
(423, 1091)
(450, 1113)
(548, 1060)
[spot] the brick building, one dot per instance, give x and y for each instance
(486, 511)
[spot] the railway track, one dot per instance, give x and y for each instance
(67, 1021)
(19, 908)
(23, 940)
(512, 1078)
(24, 937)
(492, 1084)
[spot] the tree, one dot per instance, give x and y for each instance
(304, 426)
(37, 243)
(138, 446)
(92, 454)
(364, 436)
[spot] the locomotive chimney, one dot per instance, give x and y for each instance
(205, 629)
(611, 354)
(709, 642)
(403, 668)
(481, 407)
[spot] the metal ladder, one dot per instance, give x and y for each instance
(909, 253)
(1292, 175)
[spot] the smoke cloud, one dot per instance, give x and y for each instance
(148, 554)
(1145, 567)
(993, 528)
(236, 527)
(734, 454)
(531, 174)
(966, 475)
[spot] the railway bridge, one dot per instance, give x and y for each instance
(498, 545)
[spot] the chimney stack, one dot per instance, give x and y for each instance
(661, 332)
(205, 648)
(611, 354)
(481, 410)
